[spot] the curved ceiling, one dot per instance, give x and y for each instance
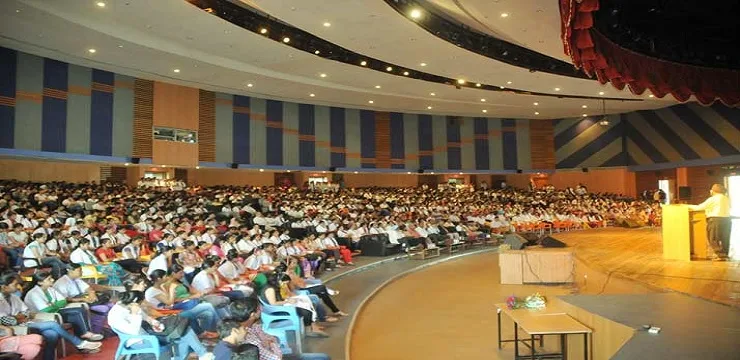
(152, 38)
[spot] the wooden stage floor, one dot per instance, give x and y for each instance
(636, 254)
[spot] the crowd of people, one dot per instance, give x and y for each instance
(199, 264)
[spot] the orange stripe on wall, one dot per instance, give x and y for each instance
(103, 87)
(123, 84)
(28, 96)
(382, 141)
(79, 90)
(55, 94)
(7, 101)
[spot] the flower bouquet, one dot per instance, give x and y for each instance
(534, 301)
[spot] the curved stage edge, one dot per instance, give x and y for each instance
(621, 282)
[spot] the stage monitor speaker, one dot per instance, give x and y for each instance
(519, 171)
(135, 160)
(550, 242)
(684, 192)
(515, 241)
(234, 165)
(332, 169)
(584, 169)
(630, 224)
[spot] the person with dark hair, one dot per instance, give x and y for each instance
(84, 256)
(127, 317)
(209, 281)
(717, 210)
(76, 290)
(106, 254)
(203, 315)
(232, 334)
(10, 246)
(183, 293)
(162, 260)
(232, 269)
(43, 257)
(270, 294)
(43, 297)
(190, 259)
(132, 250)
(14, 312)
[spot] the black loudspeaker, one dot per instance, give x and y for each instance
(630, 224)
(584, 169)
(332, 169)
(515, 241)
(234, 165)
(135, 160)
(550, 242)
(420, 171)
(519, 171)
(684, 192)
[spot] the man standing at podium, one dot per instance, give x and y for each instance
(717, 210)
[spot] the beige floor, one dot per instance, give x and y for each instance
(442, 312)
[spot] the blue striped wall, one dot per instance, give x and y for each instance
(52, 106)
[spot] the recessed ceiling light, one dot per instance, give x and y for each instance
(508, 82)
(176, 70)
(389, 69)
(317, 52)
(503, 15)
(262, 170)
(584, 115)
(433, 94)
(415, 13)
(126, 164)
(584, 106)
(601, 93)
(432, 172)
(120, 46)
(322, 75)
(536, 113)
(405, 73)
(163, 166)
(355, 172)
(461, 81)
(651, 95)
(377, 86)
(477, 85)
(483, 100)
(100, 4)
(501, 87)
(197, 167)
(460, 173)
(485, 111)
(312, 95)
(423, 64)
(371, 102)
(327, 24)
(263, 31)
(429, 107)
(408, 173)
(557, 89)
(17, 10)
(249, 85)
(92, 51)
(286, 39)
(535, 104)
(363, 63)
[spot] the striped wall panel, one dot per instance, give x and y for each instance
(206, 126)
(143, 118)
(8, 71)
(582, 143)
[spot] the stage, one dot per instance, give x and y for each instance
(636, 254)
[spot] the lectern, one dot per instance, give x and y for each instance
(684, 233)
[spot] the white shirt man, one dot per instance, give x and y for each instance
(717, 205)
(70, 288)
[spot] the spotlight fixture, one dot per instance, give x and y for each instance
(477, 85)
(485, 111)
(429, 108)
(601, 93)
(322, 75)
(415, 14)
(249, 85)
(557, 89)
(126, 164)
(317, 52)
(408, 173)
(423, 64)
(100, 4)
(501, 87)
(389, 69)
(535, 104)
(405, 73)
(327, 24)
(363, 63)
(584, 106)
(461, 81)
(371, 102)
(536, 112)
(433, 94)
(651, 96)
(163, 166)
(120, 46)
(377, 86)
(482, 100)
(508, 82)
(355, 172)
(92, 51)
(503, 15)
(262, 170)
(311, 95)
(197, 167)
(604, 122)
(176, 70)
(263, 31)
(584, 115)
(286, 39)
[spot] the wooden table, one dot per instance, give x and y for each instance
(539, 323)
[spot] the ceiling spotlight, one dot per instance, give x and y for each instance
(377, 86)
(423, 64)
(460, 173)
(262, 170)
(584, 106)
(429, 107)
(584, 115)
(536, 112)
(415, 14)
(286, 39)
(432, 172)
(604, 122)
(535, 104)
(311, 95)
(126, 164)
(508, 82)
(355, 172)
(483, 100)
(485, 111)
(176, 70)
(120, 46)
(477, 85)
(92, 51)
(433, 94)
(371, 102)
(651, 95)
(263, 31)
(389, 69)
(327, 24)
(100, 4)
(461, 81)
(317, 52)
(197, 167)
(405, 73)
(501, 87)
(408, 173)
(601, 93)
(557, 89)
(363, 63)
(322, 75)
(249, 85)
(503, 15)
(163, 166)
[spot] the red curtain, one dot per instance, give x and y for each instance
(609, 62)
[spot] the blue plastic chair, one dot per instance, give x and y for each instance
(150, 345)
(277, 320)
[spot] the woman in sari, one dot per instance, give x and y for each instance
(83, 255)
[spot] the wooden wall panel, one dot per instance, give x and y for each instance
(701, 179)
(209, 177)
(46, 171)
(616, 181)
(207, 126)
(173, 153)
(542, 144)
(648, 180)
(143, 118)
(383, 180)
(176, 106)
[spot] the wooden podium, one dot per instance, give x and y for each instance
(684, 233)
